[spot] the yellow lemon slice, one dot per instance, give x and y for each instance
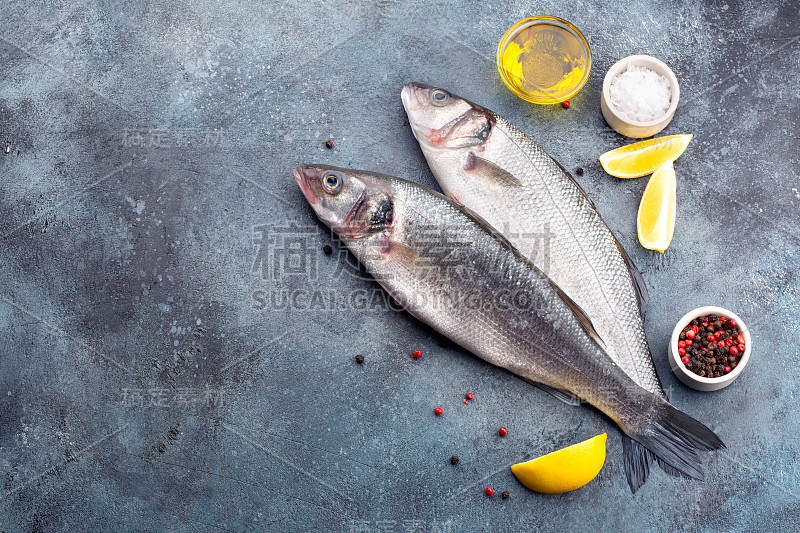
(565, 470)
(655, 221)
(642, 158)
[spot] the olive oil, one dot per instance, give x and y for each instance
(544, 62)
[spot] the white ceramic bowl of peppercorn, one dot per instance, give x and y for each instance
(733, 331)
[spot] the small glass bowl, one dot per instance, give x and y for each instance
(562, 30)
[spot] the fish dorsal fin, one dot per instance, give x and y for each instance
(489, 170)
(639, 287)
(638, 281)
(565, 396)
(488, 227)
(583, 318)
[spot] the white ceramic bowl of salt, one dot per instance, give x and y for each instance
(643, 98)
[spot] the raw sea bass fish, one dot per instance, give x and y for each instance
(486, 163)
(451, 270)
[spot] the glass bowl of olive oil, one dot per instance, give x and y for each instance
(544, 60)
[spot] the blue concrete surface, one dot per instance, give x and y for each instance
(153, 376)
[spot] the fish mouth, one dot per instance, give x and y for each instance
(412, 103)
(409, 97)
(414, 95)
(300, 177)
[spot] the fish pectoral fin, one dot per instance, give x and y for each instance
(405, 255)
(490, 171)
(642, 298)
(583, 318)
(565, 396)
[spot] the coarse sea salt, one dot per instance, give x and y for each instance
(640, 94)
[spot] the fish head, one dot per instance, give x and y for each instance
(441, 120)
(352, 203)
(455, 137)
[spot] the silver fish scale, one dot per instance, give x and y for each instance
(581, 256)
(547, 345)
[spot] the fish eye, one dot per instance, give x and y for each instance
(439, 97)
(332, 182)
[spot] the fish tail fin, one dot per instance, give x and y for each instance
(637, 462)
(676, 439)
(669, 470)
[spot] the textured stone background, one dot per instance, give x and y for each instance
(144, 385)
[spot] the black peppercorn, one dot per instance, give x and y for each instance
(454, 459)
(359, 359)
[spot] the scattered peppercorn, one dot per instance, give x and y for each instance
(438, 411)
(470, 396)
(359, 359)
(505, 494)
(489, 491)
(720, 342)
(503, 432)
(327, 249)
(454, 460)
(329, 143)
(417, 354)
(565, 104)
(465, 401)
(579, 172)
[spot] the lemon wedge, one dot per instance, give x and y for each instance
(567, 469)
(642, 158)
(655, 222)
